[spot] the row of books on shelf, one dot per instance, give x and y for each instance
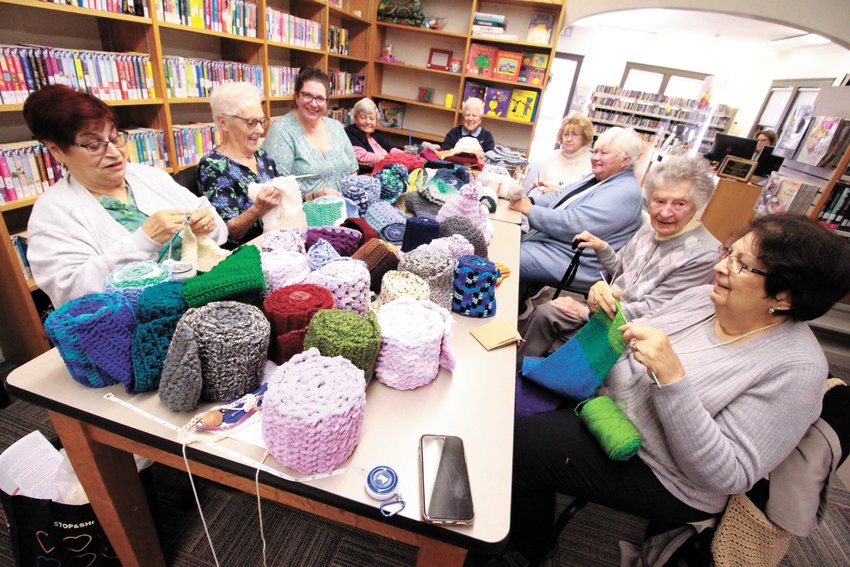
(129, 7)
(282, 27)
(652, 101)
(344, 83)
(194, 141)
(493, 26)
(491, 62)
(106, 75)
(19, 245)
(187, 77)
(514, 104)
(341, 115)
(818, 141)
(282, 80)
(635, 121)
(836, 210)
(669, 112)
(237, 17)
(649, 138)
(786, 194)
(339, 40)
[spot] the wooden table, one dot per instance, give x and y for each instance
(476, 402)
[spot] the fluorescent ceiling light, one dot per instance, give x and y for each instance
(804, 40)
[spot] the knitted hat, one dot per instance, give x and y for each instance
(379, 259)
(465, 228)
(361, 190)
(158, 311)
(284, 239)
(289, 310)
(453, 246)
(201, 251)
(344, 240)
(387, 221)
(94, 334)
(414, 343)
(418, 205)
(367, 232)
(488, 198)
(284, 267)
(393, 179)
(455, 177)
(321, 253)
(348, 281)
(402, 284)
(468, 206)
(438, 190)
(409, 161)
(131, 279)
(313, 412)
(324, 211)
(239, 277)
(217, 353)
(342, 333)
(418, 231)
(436, 269)
(475, 287)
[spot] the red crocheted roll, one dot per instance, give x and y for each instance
(360, 224)
(291, 307)
(409, 161)
(287, 345)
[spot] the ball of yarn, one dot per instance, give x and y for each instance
(379, 259)
(324, 211)
(347, 281)
(320, 254)
(362, 190)
(342, 333)
(418, 231)
(284, 267)
(367, 233)
(475, 287)
(465, 228)
(94, 335)
(387, 221)
(453, 246)
(313, 412)
(402, 284)
(289, 310)
(415, 339)
(238, 277)
(618, 436)
(344, 240)
(158, 312)
(436, 269)
(217, 353)
(283, 239)
(393, 179)
(130, 280)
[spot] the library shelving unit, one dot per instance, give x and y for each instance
(401, 80)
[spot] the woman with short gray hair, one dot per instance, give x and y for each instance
(370, 146)
(472, 110)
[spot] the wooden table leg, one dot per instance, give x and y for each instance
(112, 484)
(434, 553)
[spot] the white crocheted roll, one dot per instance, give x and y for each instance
(397, 284)
(284, 267)
(348, 280)
(284, 239)
(414, 343)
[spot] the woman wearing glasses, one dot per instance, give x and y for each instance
(225, 173)
(306, 142)
(104, 212)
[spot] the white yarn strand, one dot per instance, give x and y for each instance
(198, 502)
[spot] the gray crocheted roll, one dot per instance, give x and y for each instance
(436, 269)
(217, 353)
(465, 227)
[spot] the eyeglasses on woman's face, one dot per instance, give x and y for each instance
(735, 265)
(97, 149)
(252, 123)
(308, 98)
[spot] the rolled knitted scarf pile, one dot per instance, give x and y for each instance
(387, 221)
(284, 239)
(238, 277)
(414, 343)
(436, 269)
(158, 312)
(402, 284)
(362, 190)
(379, 259)
(321, 253)
(344, 240)
(289, 310)
(453, 246)
(465, 228)
(313, 412)
(348, 281)
(94, 335)
(475, 287)
(419, 231)
(217, 353)
(284, 267)
(342, 333)
(131, 279)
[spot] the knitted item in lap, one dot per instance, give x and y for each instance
(475, 287)
(289, 310)
(362, 190)
(436, 269)
(284, 267)
(320, 254)
(94, 335)
(402, 284)
(344, 240)
(469, 207)
(465, 228)
(367, 232)
(284, 239)
(415, 337)
(453, 246)
(387, 221)
(238, 276)
(313, 412)
(131, 279)
(201, 251)
(158, 312)
(419, 231)
(217, 353)
(379, 259)
(342, 333)
(348, 281)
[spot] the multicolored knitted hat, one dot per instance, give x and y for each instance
(94, 335)
(342, 333)
(362, 190)
(313, 412)
(439, 191)
(387, 221)
(455, 177)
(418, 231)
(217, 353)
(379, 259)
(436, 269)
(201, 251)
(469, 207)
(401, 284)
(289, 310)
(415, 342)
(360, 225)
(321, 253)
(475, 287)
(453, 246)
(465, 228)
(284, 267)
(238, 277)
(326, 210)
(284, 239)
(344, 240)
(348, 281)
(131, 279)
(158, 312)
(393, 179)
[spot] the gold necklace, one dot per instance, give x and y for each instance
(730, 341)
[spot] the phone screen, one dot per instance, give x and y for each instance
(446, 497)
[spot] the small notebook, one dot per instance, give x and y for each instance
(495, 334)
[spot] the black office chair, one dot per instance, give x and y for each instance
(188, 178)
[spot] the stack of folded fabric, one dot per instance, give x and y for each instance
(284, 239)
(313, 412)
(284, 267)
(217, 353)
(321, 253)
(401, 284)
(505, 157)
(289, 310)
(342, 333)
(158, 312)
(380, 258)
(348, 281)
(238, 277)
(94, 335)
(419, 231)
(131, 279)
(436, 269)
(466, 228)
(468, 206)
(387, 221)
(326, 210)
(393, 179)
(344, 240)
(362, 190)
(475, 287)
(414, 343)
(453, 246)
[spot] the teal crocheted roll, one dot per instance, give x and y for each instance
(336, 332)
(132, 279)
(324, 211)
(158, 312)
(239, 277)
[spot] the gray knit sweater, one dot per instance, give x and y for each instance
(738, 412)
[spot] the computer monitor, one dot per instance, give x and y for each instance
(768, 162)
(726, 145)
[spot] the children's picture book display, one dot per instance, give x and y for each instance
(522, 105)
(540, 28)
(482, 59)
(496, 102)
(532, 71)
(507, 65)
(473, 89)
(391, 114)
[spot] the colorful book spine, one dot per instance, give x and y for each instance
(195, 78)
(285, 28)
(193, 141)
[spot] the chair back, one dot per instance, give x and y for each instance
(188, 178)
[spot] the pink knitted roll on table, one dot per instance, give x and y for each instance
(313, 412)
(284, 267)
(348, 280)
(284, 239)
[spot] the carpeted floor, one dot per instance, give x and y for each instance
(297, 539)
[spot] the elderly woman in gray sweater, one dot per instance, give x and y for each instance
(721, 382)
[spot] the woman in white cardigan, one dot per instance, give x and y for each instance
(104, 212)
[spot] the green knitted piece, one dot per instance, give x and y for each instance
(602, 340)
(237, 277)
(336, 332)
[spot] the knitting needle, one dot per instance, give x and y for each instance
(611, 291)
(306, 175)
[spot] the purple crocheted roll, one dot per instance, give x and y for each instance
(348, 280)
(344, 240)
(313, 412)
(419, 231)
(453, 246)
(283, 239)
(284, 267)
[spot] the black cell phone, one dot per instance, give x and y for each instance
(444, 481)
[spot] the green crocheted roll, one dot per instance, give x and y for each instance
(336, 332)
(238, 277)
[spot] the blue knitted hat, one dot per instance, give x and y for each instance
(363, 190)
(158, 311)
(474, 287)
(387, 221)
(419, 231)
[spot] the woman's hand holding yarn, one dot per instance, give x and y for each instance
(202, 221)
(268, 198)
(162, 225)
(600, 295)
(523, 205)
(651, 347)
